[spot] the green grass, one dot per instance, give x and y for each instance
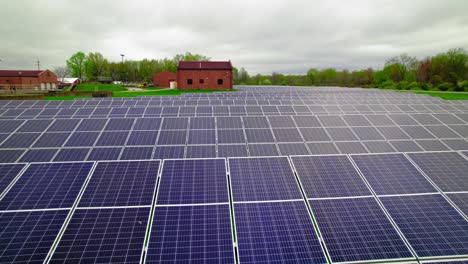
(92, 87)
(54, 98)
(443, 95)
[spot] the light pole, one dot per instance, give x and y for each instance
(121, 77)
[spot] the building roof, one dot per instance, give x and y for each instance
(69, 80)
(204, 65)
(20, 73)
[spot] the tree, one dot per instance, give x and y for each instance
(190, 57)
(61, 72)
(451, 66)
(76, 64)
(311, 75)
(96, 66)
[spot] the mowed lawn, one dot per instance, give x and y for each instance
(443, 95)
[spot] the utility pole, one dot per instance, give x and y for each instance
(121, 77)
(38, 65)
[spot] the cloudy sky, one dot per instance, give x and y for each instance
(286, 36)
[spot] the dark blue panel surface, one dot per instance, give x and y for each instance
(460, 200)
(204, 151)
(7, 173)
(231, 136)
(175, 123)
(38, 155)
(293, 149)
(8, 126)
(202, 137)
(261, 179)
(147, 124)
(112, 138)
(35, 126)
(26, 237)
(104, 154)
(279, 232)
(392, 174)
(103, 236)
(137, 153)
(10, 155)
(141, 138)
(122, 183)
(72, 154)
(232, 151)
(329, 176)
(257, 150)
(357, 230)
(172, 137)
(63, 125)
(82, 139)
(431, 225)
(47, 185)
(91, 125)
(169, 152)
(51, 140)
(20, 140)
(449, 170)
(191, 234)
(259, 136)
(193, 181)
(123, 124)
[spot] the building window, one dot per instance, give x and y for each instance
(189, 81)
(202, 81)
(220, 81)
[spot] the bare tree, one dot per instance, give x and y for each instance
(61, 72)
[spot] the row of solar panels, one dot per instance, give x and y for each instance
(314, 209)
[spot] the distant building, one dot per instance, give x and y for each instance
(28, 80)
(164, 79)
(65, 82)
(204, 75)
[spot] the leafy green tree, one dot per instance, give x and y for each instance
(96, 66)
(190, 57)
(311, 76)
(76, 64)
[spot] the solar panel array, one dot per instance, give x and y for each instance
(266, 175)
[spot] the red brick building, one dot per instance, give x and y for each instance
(204, 75)
(164, 79)
(28, 80)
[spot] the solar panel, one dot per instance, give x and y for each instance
(47, 185)
(82, 139)
(142, 138)
(193, 182)
(119, 124)
(137, 153)
(351, 147)
(255, 122)
(293, 149)
(460, 200)
(402, 119)
(367, 133)
(28, 236)
(287, 135)
(172, 137)
(184, 234)
(169, 152)
(430, 224)
(262, 179)
(104, 154)
(365, 233)
(72, 154)
(231, 136)
(276, 232)
(456, 144)
(228, 122)
(51, 140)
(20, 140)
(432, 145)
(202, 123)
(112, 138)
(378, 146)
(322, 148)
(8, 172)
(307, 121)
(147, 123)
(8, 126)
(91, 125)
(38, 155)
(35, 125)
(175, 123)
(417, 132)
(203, 151)
(380, 120)
(281, 121)
(103, 235)
(63, 125)
(10, 155)
(123, 183)
(449, 119)
(202, 137)
(356, 120)
(341, 134)
(332, 121)
(448, 170)
(425, 119)
(232, 151)
(329, 176)
(259, 136)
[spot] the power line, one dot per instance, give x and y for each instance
(38, 65)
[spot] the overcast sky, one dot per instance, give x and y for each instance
(262, 36)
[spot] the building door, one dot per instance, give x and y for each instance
(42, 86)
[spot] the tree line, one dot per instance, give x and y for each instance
(445, 71)
(95, 67)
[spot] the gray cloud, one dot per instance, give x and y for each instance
(262, 36)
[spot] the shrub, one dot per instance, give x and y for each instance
(414, 86)
(445, 86)
(403, 85)
(388, 85)
(463, 86)
(425, 86)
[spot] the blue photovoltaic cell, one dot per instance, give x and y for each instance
(262, 179)
(263, 150)
(104, 154)
(169, 152)
(137, 153)
(231, 136)
(82, 139)
(193, 182)
(63, 125)
(141, 138)
(175, 123)
(279, 232)
(103, 236)
(293, 149)
(392, 174)
(26, 237)
(204, 151)
(8, 172)
(147, 124)
(191, 234)
(202, 137)
(232, 151)
(430, 224)
(460, 200)
(35, 126)
(20, 140)
(448, 170)
(259, 136)
(51, 140)
(8, 126)
(123, 183)
(72, 154)
(329, 176)
(119, 124)
(172, 137)
(202, 123)
(10, 155)
(91, 125)
(47, 185)
(357, 230)
(38, 155)
(112, 139)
